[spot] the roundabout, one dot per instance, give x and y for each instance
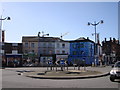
(66, 74)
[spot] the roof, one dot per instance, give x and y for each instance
(41, 39)
(82, 39)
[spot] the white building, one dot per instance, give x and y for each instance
(62, 50)
(46, 48)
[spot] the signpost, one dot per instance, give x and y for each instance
(50, 63)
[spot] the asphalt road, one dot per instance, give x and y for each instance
(10, 79)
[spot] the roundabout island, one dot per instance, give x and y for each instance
(65, 74)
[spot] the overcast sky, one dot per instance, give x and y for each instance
(28, 18)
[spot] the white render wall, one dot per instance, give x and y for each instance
(59, 47)
(47, 47)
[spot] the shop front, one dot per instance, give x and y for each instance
(13, 60)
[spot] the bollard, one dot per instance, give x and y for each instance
(56, 68)
(92, 64)
(67, 68)
(50, 67)
(47, 67)
(78, 67)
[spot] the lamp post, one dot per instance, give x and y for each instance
(95, 24)
(1, 19)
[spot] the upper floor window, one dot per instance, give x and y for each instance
(91, 46)
(74, 46)
(63, 52)
(26, 51)
(2, 51)
(44, 51)
(50, 52)
(33, 51)
(82, 45)
(81, 52)
(14, 52)
(14, 44)
(78, 45)
(50, 44)
(32, 45)
(58, 45)
(44, 44)
(26, 44)
(14, 48)
(63, 45)
(58, 52)
(74, 53)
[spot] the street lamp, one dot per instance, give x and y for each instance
(95, 24)
(1, 19)
(8, 18)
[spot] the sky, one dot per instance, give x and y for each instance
(56, 18)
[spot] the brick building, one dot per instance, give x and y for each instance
(11, 54)
(111, 50)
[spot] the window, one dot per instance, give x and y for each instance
(32, 45)
(2, 51)
(14, 44)
(14, 48)
(81, 52)
(44, 51)
(82, 45)
(58, 45)
(91, 46)
(26, 45)
(74, 53)
(50, 44)
(58, 52)
(63, 45)
(14, 52)
(78, 45)
(63, 52)
(74, 46)
(26, 51)
(50, 52)
(33, 51)
(44, 44)
(44, 59)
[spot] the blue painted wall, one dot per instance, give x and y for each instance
(81, 51)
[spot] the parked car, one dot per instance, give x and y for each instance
(115, 72)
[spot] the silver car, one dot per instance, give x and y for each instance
(115, 72)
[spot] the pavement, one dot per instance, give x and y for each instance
(40, 72)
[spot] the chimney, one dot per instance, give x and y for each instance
(110, 39)
(105, 39)
(114, 40)
(88, 38)
(3, 36)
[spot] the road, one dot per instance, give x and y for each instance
(10, 79)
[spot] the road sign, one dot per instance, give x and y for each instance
(62, 62)
(50, 62)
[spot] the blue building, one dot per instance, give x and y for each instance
(81, 50)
